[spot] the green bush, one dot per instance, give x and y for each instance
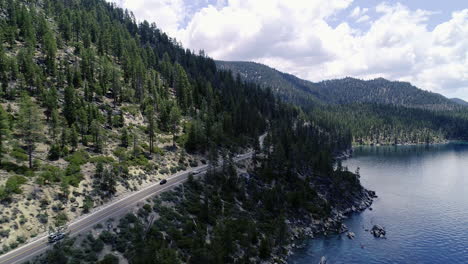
(19, 154)
(78, 158)
(51, 174)
(73, 175)
(109, 259)
(43, 218)
(107, 237)
(88, 203)
(102, 159)
(55, 152)
(61, 219)
(12, 167)
(13, 184)
(97, 245)
(139, 160)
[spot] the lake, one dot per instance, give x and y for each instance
(422, 203)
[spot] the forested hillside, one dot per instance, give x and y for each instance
(339, 91)
(93, 105)
(288, 87)
(380, 91)
(459, 101)
(376, 111)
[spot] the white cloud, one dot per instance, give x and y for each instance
(167, 14)
(358, 12)
(363, 18)
(295, 36)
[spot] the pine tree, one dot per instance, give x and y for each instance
(51, 102)
(125, 139)
(74, 137)
(116, 87)
(4, 130)
(50, 47)
(69, 108)
(27, 29)
(4, 68)
(54, 123)
(182, 86)
(96, 132)
(29, 123)
(151, 128)
(174, 119)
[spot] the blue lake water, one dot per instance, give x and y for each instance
(422, 203)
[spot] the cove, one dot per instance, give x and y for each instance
(422, 203)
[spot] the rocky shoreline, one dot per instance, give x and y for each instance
(309, 228)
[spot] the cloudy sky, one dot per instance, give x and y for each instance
(421, 41)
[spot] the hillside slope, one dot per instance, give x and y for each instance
(459, 101)
(376, 111)
(339, 91)
(94, 105)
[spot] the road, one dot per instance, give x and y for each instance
(113, 209)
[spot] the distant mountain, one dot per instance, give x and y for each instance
(459, 101)
(287, 86)
(340, 91)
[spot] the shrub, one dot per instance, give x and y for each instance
(73, 175)
(43, 218)
(106, 236)
(88, 203)
(51, 174)
(61, 219)
(101, 159)
(14, 183)
(78, 158)
(12, 167)
(147, 207)
(55, 152)
(4, 233)
(109, 259)
(19, 154)
(97, 245)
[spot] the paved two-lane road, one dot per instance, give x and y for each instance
(112, 210)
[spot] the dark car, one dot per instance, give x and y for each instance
(56, 237)
(163, 182)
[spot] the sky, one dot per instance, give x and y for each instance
(424, 42)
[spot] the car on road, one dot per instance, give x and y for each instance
(164, 181)
(195, 172)
(56, 237)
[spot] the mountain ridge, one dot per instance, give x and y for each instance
(339, 91)
(459, 101)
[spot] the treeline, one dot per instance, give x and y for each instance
(389, 124)
(380, 91)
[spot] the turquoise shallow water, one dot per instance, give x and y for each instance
(422, 203)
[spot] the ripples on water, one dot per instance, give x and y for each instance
(423, 205)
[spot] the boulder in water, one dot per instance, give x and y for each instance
(378, 231)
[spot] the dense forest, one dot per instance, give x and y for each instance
(228, 217)
(376, 111)
(94, 104)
